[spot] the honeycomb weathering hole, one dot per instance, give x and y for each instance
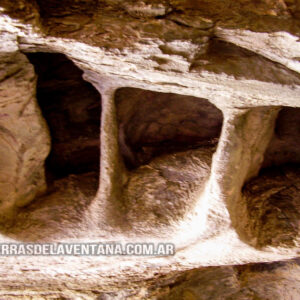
(284, 146)
(273, 197)
(167, 142)
(72, 108)
(152, 124)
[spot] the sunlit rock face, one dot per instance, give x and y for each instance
(151, 121)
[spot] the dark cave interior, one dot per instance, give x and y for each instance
(72, 109)
(152, 123)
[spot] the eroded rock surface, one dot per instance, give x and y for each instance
(216, 177)
(24, 135)
(273, 206)
(273, 196)
(165, 190)
(280, 281)
(151, 124)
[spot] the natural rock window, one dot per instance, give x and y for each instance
(72, 108)
(152, 124)
(273, 197)
(167, 142)
(284, 146)
(228, 203)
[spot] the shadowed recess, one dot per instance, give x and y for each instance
(53, 8)
(152, 123)
(72, 108)
(273, 197)
(284, 146)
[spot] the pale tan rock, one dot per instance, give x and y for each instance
(215, 204)
(24, 135)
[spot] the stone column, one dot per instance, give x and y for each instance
(245, 137)
(108, 207)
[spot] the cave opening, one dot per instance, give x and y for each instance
(153, 123)
(273, 197)
(72, 109)
(284, 147)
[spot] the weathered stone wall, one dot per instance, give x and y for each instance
(199, 146)
(24, 135)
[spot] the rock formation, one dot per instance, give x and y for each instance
(151, 121)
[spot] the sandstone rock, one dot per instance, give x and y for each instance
(156, 123)
(164, 191)
(216, 177)
(272, 197)
(280, 280)
(24, 135)
(273, 206)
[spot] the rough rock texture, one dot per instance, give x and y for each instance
(268, 281)
(164, 191)
(280, 281)
(274, 206)
(150, 124)
(24, 135)
(273, 197)
(59, 212)
(225, 199)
